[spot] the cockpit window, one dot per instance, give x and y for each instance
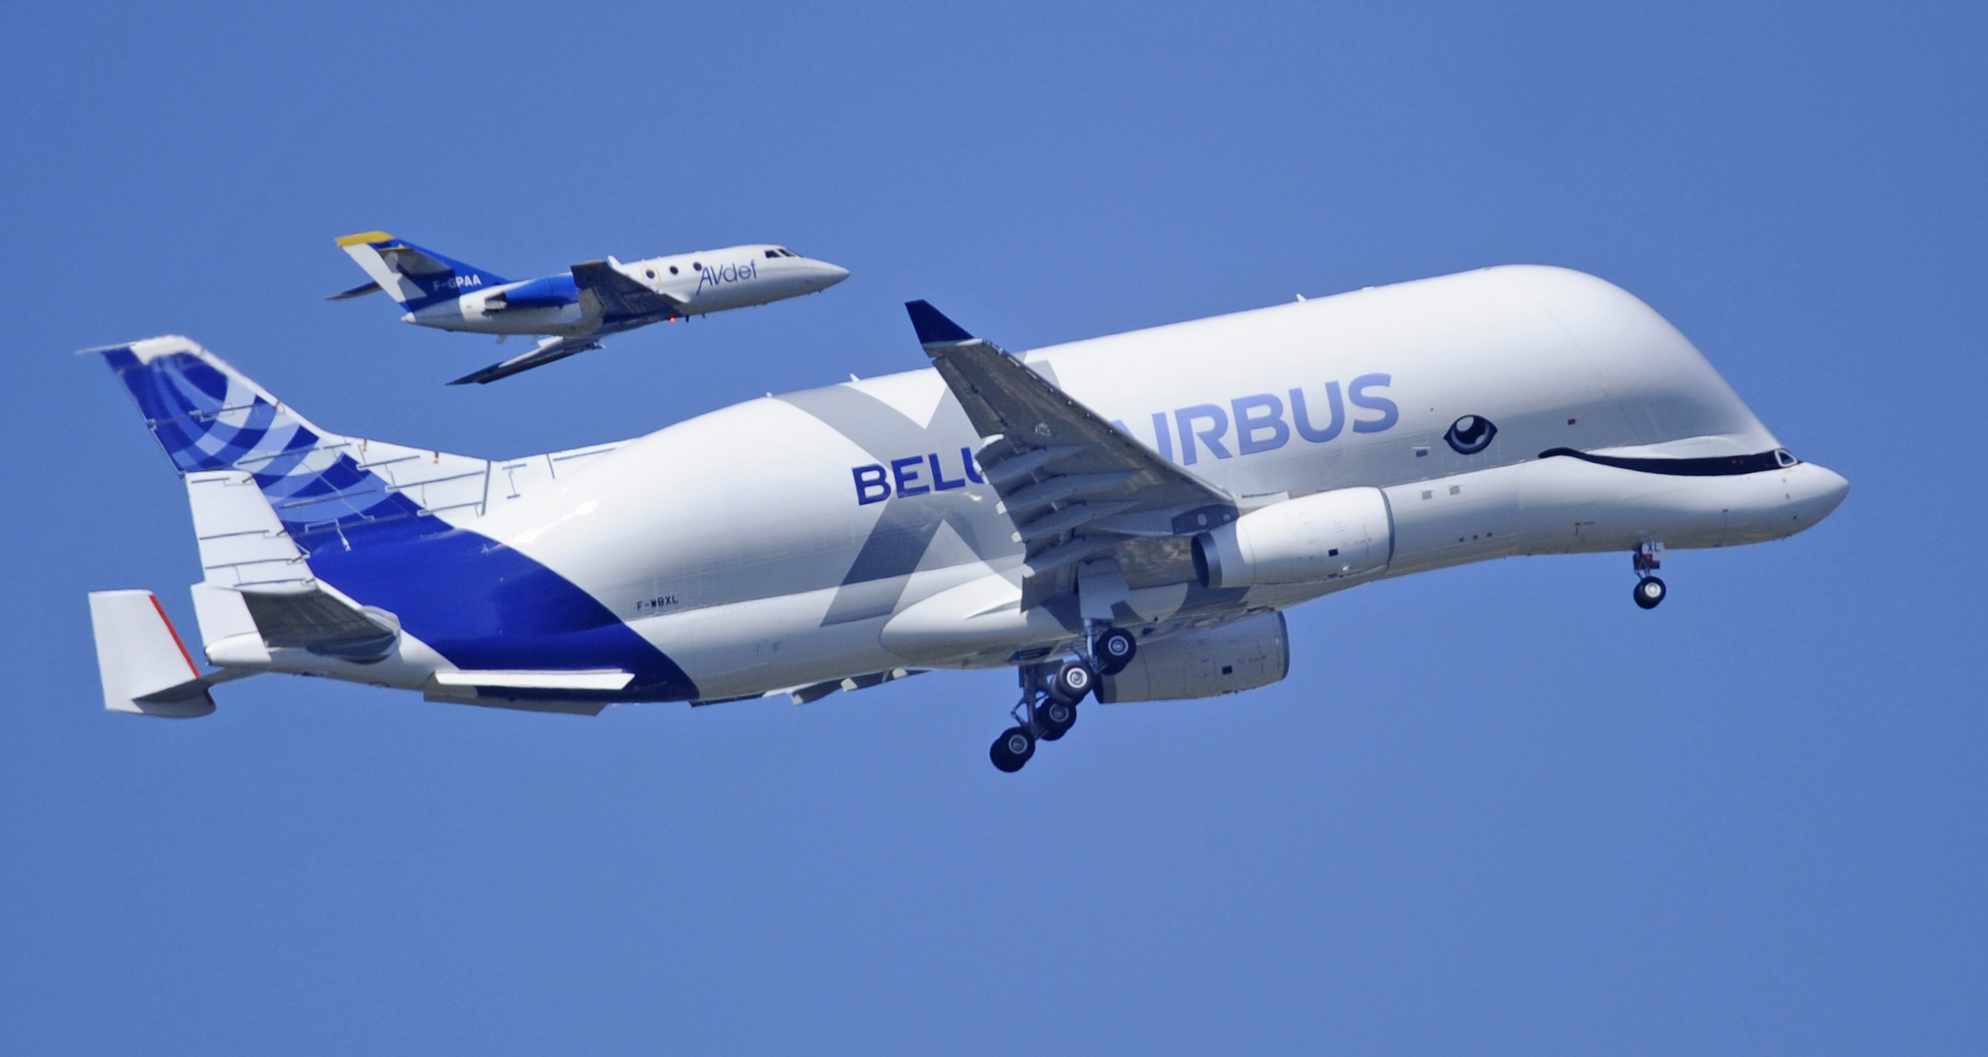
(1785, 457)
(771, 254)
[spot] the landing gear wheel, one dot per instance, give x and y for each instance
(1011, 750)
(1054, 718)
(1072, 682)
(1649, 592)
(1115, 649)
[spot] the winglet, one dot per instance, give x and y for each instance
(144, 666)
(364, 238)
(932, 325)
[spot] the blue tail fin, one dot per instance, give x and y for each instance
(324, 490)
(412, 275)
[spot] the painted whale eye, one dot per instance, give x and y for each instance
(1470, 434)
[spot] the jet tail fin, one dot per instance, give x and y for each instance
(412, 275)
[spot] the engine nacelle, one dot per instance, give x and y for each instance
(1328, 536)
(1240, 655)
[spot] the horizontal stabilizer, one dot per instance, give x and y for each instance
(144, 666)
(414, 276)
(548, 350)
(313, 620)
(368, 287)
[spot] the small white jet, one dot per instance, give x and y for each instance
(1125, 517)
(589, 302)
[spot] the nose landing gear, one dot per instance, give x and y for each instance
(1649, 592)
(1650, 589)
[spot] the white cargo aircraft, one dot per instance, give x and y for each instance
(1125, 517)
(585, 304)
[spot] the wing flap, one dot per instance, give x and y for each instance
(1076, 486)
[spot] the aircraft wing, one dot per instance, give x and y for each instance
(548, 350)
(1075, 485)
(620, 296)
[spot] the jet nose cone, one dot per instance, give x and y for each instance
(830, 274)
(1822, 493)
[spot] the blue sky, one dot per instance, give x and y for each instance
(1494, 809)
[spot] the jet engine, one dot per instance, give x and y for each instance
(1327, 536)
(1240, 655)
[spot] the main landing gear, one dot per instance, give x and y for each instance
(1051, 694)
(1650, 590)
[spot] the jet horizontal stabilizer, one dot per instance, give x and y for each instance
(367, 287)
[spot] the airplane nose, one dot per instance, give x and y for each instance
(1827, 491)
(830, 274)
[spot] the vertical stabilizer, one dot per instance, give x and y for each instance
(415, 277)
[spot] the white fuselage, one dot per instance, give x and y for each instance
(705, 281)
(744, 544)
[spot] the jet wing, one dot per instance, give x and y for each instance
(621, 297)
(548, 350)
(1075, 486)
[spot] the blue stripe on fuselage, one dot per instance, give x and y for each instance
(486, 606)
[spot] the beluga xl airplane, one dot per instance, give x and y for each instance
(589, 301)
(1120, 519)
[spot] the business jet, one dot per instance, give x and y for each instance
(590, 301)
(1120, 519)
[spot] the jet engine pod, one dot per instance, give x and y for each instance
(1327, 536)
(553, 291)
(1203, 662)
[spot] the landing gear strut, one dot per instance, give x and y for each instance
(1650, 589)
(1051, 693)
